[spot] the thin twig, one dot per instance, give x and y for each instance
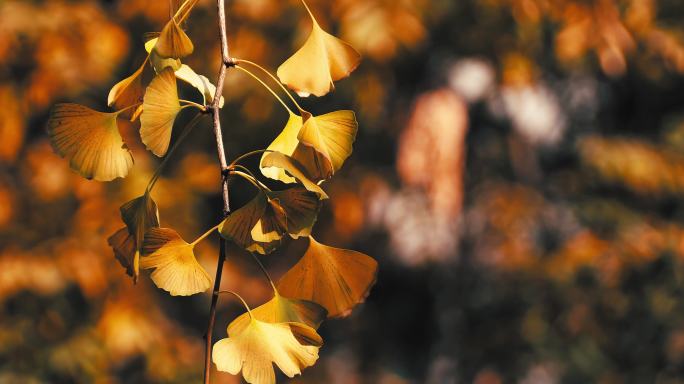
(225, 63)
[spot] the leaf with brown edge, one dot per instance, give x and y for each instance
(128, 91)
(90, 141)
(173, 42)
(293, 168)
(123, 245)
(322, 60)
(282, 310)
(176, 269)
(338, 279)
(259, 345)
(285, 143)
(160, 108)
(139, 215)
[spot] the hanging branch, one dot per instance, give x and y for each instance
(226, 62)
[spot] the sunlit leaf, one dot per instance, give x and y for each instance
(160, 107)
(127, 91)
(282, 310)
(331, 136)
(200, 82)
(293, 168)
(123, 245)
(259, 345)
(139, 215)
(285, 143)
(173, 42)
(322, 60)
(90, 140)
(176, 269)
(338, 279)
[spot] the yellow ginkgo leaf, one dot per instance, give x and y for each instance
(200, 82)
(128, 91)
(285, 143)
(282, 310)
(338, 279)
(90, 141)
(160, 107)
(139, 215)
(159, 63)
(173, 42)
(123, 245)
(176, 269)
(322, 60)
(293, 168)
(259, 345)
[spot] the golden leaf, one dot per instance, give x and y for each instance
(338, 279)
(139, 215)
(159, 63)
(201, 83)
(90, 140)
(299, 207)
(173, 42)
(322, 60)
(293, 168)
(282, 310)
(285, 143)
(160, 107)
(176, 269)
(127, 91)
(259, 345)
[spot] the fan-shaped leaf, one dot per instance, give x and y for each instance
(338, 279)
(321, 60)
(160, 107)
(176, 269)
(259, 345)
(90, 140)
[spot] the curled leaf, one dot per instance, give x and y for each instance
(322, 60)
(338, 279)
(285, 143)
(176, 269)
(300, 208)
(259, 345)
(160, 108)
(90, 141)
(159, 63)
(123, 245)
(292, 167)
(139, 215)
(200, 82)
(128, 91)
(173, 42)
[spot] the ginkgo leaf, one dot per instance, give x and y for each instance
(90, 141)
(322, 60)
(259, 345)
(173, 42)
(128, 91)
(331, 134)
(338, 279)
(200, 82)
(139, 215)
(300, 208)
(285, 143)
(176, 269)
(259, 225)
(282, 310)
(160, 108)
(293, 168)
(123, 245)
(159, 63)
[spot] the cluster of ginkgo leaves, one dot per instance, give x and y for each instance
(326, 282)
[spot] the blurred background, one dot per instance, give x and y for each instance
(518, 175)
